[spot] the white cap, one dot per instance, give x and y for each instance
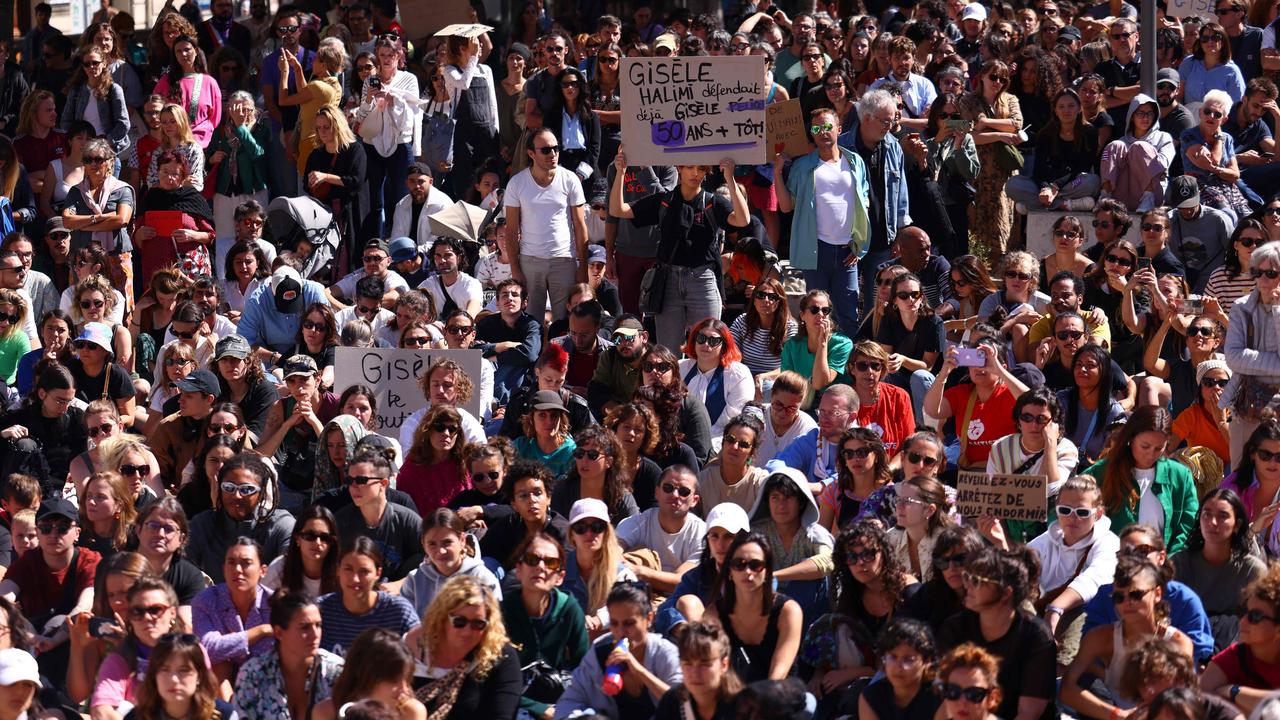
(588, 508)
(17, 666)
(973, 11)
(729, 516)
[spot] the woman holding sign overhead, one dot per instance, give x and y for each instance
(689, 217)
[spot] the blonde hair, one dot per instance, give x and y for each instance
(11, 297)
(331, 58)
(184, 127)
(126, 513)
(112, 450)
(103, 407)
(604, 572)
(89, 284)
(460, 591)
(341, 130)
(27, 114)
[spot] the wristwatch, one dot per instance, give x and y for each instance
(1235, 690)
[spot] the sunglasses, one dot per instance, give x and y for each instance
(311, 536)
(1066, 234)
(287, 29)
(1153, 227)
(361, 480)
(103, 429)
(824, 127)
(1015, 275)
(656, 367)
(242, 490)
(811, 57)
(1256, 616)
(744, 564)
(709, 340)
(1121, 261)
(591, 454)
(482, 476)
(1272, 210)
(362, 309)
(595, 527)
(1204, 330)
(1227, 10)
(1214, 383)
(1081, 512)
(1210, 37)
(534, 560)
(444, 427)
(188, 334)
(460, 329)
(867, 366)
(941, 562)
(819, 310)
(548, 149)
(139, 612)
(1067, 335)
(415, 341)
(135, 470)
(1101, 223)
(730, 441)
(570, 85)
(680, 490)
(87, 304)
(855, 453)
(766, 295)
(953, 692)
(1121, 35)
(92, 63)
(1254, 242)
(916, 458)
(1002, 79)
(176, 362)
(1119, 596)
(11, 318)
(908, 295)
(316, 326)
(95, 161)
(460, 622)
(1212, 114)
(607, 60)
(223, 428)
(1271, 274)
(53, 528)
(865, 556)
(1036, 419)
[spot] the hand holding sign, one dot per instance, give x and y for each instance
(1008, 497)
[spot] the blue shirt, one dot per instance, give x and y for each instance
(802, 455)
(918, 92)
(1197, 80)
(1185, 612)
(1193, 136)
(265, 326)
(1246, 138)
(270, 75)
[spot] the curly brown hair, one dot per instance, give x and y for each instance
(460, 378)
(422, 453)
(1267, 588)
(1156, 659)
(848, 590)
(623, 413)
(968, 655)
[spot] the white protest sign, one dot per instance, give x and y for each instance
(1187, 8)
(693, 110)
(393, 374)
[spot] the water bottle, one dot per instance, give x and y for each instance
(612, 684)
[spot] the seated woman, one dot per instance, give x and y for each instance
(174, 223)
(178, 655)
(153, 614)
(1138, 593)
(594, 563)
(650, 664)
(941, 595)
(863, 469)
(106, 513)
(337, 444)
(710, 686)
(1222, 558)
(1089, 408)
(764, 626)
(1173, 376)
(731, 476)
(787, 516)
(1231, 281)
(293, 675)
(434, 470)
(1037, 448)
(1018, 306)
(99, 210)
(1117, 290)
(869, 328)
(921, 513)
(55, 341)
(14, 341)
(111, 586)
(983, 407)
(450, 552)
(764, 328)
(359, 604)
(1067, 148)
(970, 285)
(1068, 236)
(130, 456)
(101, 421)
(179, 362)
(725, 523)
(470, 668)
(379, 666)
(545, 622)
(639, 437)
(317, 339)
(93, 302)
(922, 455)
(968, 683)
(310, 565)
(660, 373)
(1209, 156)
(914, 337)
(909, 652)
(232, 618)
(595, 474)
(546, 434)
(819, 351)
(1140, 485)
(1245, 671)
(1135, 168)
(714, 374)
(1204, 423)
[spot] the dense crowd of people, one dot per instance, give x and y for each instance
(710, 466)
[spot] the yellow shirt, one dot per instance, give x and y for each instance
(326, 92)
(1101, 334)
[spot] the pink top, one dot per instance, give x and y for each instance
(118, 683)
(431, 486)
(208, 104)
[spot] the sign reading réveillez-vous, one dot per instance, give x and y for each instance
(393, 375)
(693, 110)
(1008, 497)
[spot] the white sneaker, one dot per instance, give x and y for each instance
(1021, 208)
(1085, 203)
(1104, 195)
(1146, 202)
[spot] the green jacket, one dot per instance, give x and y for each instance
(250, 157)
(561, 641)
(1174, 488)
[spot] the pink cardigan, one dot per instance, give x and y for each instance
(208, 104)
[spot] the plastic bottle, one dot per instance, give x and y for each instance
(612, 684)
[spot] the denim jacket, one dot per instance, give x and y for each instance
(112, 111)
(897, 212)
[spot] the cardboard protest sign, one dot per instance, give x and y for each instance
(423, 18)
(1008, 497)
(393, 374)
(1187, 8)
(693, 110)
(785, 131)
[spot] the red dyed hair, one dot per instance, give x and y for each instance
(729, 352)
(554, 357)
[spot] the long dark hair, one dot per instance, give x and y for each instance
(1268, 429)
(175, 75)
(846, 588)
(666, 403)
(965, 538)
(724, 595)
(937, 113)
(781, 316)
(1240, 536)
(292, 577)
(584, 110)
(974, 271)
(1105, 380)
(1017, 568)
(52, 376)
(1118, 488)
(873, 440)
(377, 655)
(1232, 260)
(1053, 128)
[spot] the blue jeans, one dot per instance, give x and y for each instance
(386, 177)
(917, 383)
(692, 296)
(840, 282)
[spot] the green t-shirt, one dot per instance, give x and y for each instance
(797, 358)
(12, 348)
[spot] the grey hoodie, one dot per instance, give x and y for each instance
(812, 539)
(421, 584)
(1156, 137)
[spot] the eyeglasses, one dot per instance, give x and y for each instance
(708, 340)
(314, 326)
(87, 304)
(941, 562)
(460, 329)
(138, 612)
(858, 558)
(1015, 275)
(311, 536)
(1212, 114)
(656, 367)
(135, 470)
(241, 490)
(1214, 382)
(1195, 330)
(594, 527)
(548, 149)
(766, 295)
(223, 428)
(444, 427)
(824, 127)
(953, 692)
(1256, 616)
(533, 559)
(680, 490)
(1066, 234)
(1121, 261)
(974, 579)
(908, 295)
(868, 366)
(902, 500)
(1119, 596)
(482, 476)
(161, 528)
(916, 458)
(731, 441)
(1271, 274)
(1081, 512)
(819, 310)
(744, 564)
(591, 454)
(103, 429)
(1067, 335)
(95, 160)
(855, 453)
(362, 480)
(50, 528)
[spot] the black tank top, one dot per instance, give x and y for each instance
(751, 662)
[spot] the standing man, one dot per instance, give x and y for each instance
(221, 30)
(288, 31)
(829, 192)
(410, 218)
(542, 91)
(788, 67)
(546, 224)
(1122, 73)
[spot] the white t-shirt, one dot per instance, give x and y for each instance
(275, 574)
(545, 231)
(771, 443)
(674, 549)
(1150, 511)
(346, 287)
(465, 289)
(116, 316)
(347, 314)
(833, 186)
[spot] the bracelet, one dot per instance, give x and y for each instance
(1054, 609)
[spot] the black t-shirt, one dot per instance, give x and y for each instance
(88, 389)
(398, 536)
(185, 578)
(929, 335)
(1058, 377)
(688, 235)
(1116, 75)
(1027, 654)
(416, 213)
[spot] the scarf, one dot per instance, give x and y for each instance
(184, 199)
(443, 692)
(105, 238)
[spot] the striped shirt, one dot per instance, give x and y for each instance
(1007, 456)
(1228, 289)
(341, 627)
(755, 349)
